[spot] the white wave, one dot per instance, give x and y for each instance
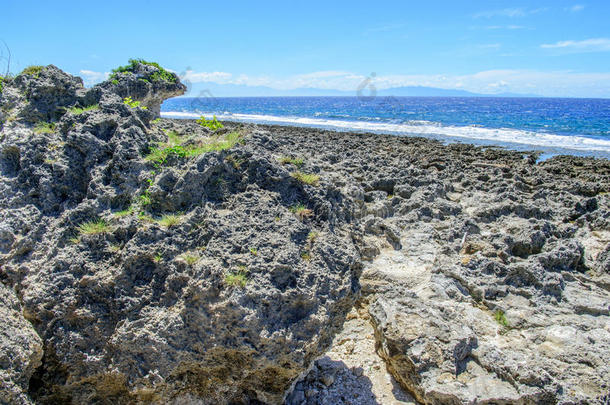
(423, 128)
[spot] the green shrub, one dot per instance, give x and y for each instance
(310, 179)
(1, 83)
(160, 75)
(212, 124)
(145, 198)
(237, 278)
(44, 128)
(128, 101)
(33, 70)
(80, 110)
(94, 227)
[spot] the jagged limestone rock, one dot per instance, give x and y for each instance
(20, 350)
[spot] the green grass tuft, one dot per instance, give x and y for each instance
(190, 258)
(80, 110)
(161, 154)
(237, 278)
(170, 220)
(44, 128)
(301, 211)
(96, 227)
(500, 317)
(125, 212)
(298, 162)
(312, 236)
(33, 70)
(310, 179)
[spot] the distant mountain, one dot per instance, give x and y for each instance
(210, 89)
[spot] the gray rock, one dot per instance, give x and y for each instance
(20, 350)
(173, 312)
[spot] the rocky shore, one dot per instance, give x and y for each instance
(146, 260)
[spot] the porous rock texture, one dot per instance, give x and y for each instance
(486, 275)
(146, 310)
(217, 276)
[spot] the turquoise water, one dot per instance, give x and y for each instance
(554, 126)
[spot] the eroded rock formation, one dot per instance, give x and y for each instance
(156, 261)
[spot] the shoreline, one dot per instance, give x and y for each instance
(543, 152)
(541, 155)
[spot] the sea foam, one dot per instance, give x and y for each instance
(424, 128)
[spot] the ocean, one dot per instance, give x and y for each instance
(550, 125)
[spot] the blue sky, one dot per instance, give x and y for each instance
(552, 48)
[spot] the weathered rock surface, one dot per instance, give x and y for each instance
(20, 350)
(217, 304)
(487, 281)
(216, 276)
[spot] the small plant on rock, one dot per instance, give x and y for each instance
(33, 70)
(131, 103)
(212, 124)
(190, 258)
(161, 154)
(80, 110)
(160, 75)
(310, 179)
(145, 198)
(253, 251)
(237, 278)
(170, 220)
(94, 227)
(301, 211)
(45, 128)
(124, 213)
(500, 317)
(286, 160)
(312, 236)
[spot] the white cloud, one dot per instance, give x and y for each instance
(587, 45)
(509, 12)
(555, 83)
(217, 77)
(575, 8)
(90, 77)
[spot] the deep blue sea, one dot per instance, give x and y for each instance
(552, 125)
